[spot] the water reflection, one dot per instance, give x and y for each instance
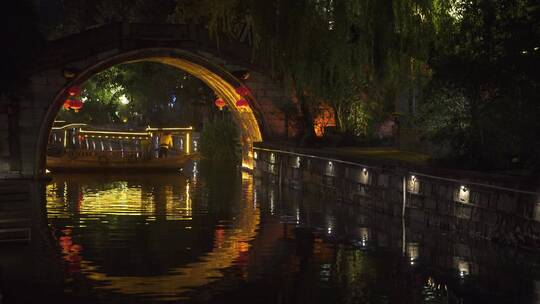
(351, 255)
(99, 214)
(168, 196)
(224, 238)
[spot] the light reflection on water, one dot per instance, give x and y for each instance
(118, 198)
(168, 200)
(221, 238)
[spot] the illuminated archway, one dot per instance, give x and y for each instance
(217, 78)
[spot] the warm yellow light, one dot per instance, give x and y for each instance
(413, 252)
(114, 133)
(245, 118)
(247, 166)
(73, 125)
(363, 178)
(463, 194)
(413, 185)
(182, 278)
(187, 143)
(188, 199)
(169, 129)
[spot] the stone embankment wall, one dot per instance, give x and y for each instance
(443, 204)
(461, 263)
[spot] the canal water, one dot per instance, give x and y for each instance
(225, 237)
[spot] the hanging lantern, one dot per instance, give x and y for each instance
(242, 103)
(74, 91)
(76, 105)
(242, 91)
(67, 104)
(220, 103)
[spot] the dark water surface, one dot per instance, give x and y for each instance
(227, 238)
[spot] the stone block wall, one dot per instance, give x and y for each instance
(476, 261)
(268, 95)
(455, 206)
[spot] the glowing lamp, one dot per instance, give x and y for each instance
(242, 103)
(67, 104)
(76, 104)
(220, 103)
(242, 91)
(74, 91)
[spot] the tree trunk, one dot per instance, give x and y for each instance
(286, 125)
(474, 141)
(307, 118)
(338, 112)
(14, 135)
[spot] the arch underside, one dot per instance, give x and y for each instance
(244, 117)
(217, 78)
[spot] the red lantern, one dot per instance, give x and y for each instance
(242, 91)
(242, 103)
(74, 91)
(67, 104)
(220, 103)
(76, 105)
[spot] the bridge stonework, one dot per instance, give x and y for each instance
(25, 122)
(267, 93)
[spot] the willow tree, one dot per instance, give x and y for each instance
(345, 53)
(342, 52)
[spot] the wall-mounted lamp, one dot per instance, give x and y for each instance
(413, 185)
(364, 177)
(463, 194)
(297, 162)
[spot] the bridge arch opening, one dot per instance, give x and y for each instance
(223, 83)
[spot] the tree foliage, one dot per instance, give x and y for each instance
(486, 57)
(474, 62)
(220, 142)
(334, 51)
(143, 94)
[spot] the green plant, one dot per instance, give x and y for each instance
(220, 142)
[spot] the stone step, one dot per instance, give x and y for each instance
(14, 197)
(14, 194)
(9, 188)
(16, 229)
(21, 207)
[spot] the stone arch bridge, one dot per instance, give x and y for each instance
(25, 123)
